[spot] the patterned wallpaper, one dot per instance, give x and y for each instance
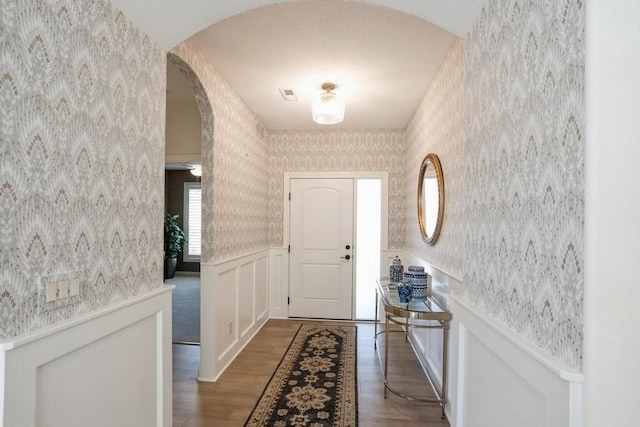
(438, 127)
(524, 164)
(505, 114)
(81, 152)
(82, 98)
(337, 151)
(238, 156)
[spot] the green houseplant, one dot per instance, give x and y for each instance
(174, 240)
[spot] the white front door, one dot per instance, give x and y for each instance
(321, 239)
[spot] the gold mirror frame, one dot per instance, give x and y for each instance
(435, 161)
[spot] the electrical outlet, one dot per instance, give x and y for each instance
(63, 289)
(230, 328)
(51, 291)
(74, 287)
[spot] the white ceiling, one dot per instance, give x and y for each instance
(381, 59)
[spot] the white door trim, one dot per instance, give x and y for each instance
(384, 176)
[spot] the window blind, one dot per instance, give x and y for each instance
(193, 204)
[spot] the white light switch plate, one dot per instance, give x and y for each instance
(63, 289)
(52, 291)
(74, 287)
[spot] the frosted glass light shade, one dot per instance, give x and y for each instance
(328, 109)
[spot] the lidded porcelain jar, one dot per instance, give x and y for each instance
(418, 278)
(395, 270)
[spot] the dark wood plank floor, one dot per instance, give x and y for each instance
(229, 401)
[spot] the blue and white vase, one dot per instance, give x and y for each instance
(395, 270)
(404, 292)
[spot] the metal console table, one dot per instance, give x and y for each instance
(406, 314)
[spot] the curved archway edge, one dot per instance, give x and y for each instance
(206, 113)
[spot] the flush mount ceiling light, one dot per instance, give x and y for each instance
(196, 170)
(328, 109)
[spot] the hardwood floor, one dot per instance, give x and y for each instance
(230, 400)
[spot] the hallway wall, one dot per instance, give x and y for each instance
(438, 127)
(237, 169)
(82, 136)
(612, 209)
(513, 226)
(524, 157)
(369, 150)
(184, 132)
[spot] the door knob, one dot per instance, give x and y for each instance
(346, 257)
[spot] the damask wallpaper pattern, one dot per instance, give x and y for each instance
(337, 151)
(505, 113)
(82, 98)
(82, 95)
(236, 164)
(438, 127)
(524, 164)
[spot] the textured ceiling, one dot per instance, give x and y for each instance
(381, 58)
(170, 22)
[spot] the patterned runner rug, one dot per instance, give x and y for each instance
(315, 383)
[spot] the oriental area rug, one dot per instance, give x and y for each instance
(315, 384)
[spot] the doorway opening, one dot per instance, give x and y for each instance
(368, 214)
(182, 199)
(183, 148)
(205, 158)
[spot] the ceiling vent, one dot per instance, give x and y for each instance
(288, 95)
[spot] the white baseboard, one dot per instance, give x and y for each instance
(112, 367)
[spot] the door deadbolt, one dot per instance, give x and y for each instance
(348, 247)
(346, 257)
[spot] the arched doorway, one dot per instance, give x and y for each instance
(206, 113)
(206, 180)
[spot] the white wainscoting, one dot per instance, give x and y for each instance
(496, 378)
(503, 380)
(234, 306)
(110, 368)
(278, 283)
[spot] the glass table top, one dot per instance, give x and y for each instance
(428, 309)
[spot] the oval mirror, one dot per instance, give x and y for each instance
(430, 198)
